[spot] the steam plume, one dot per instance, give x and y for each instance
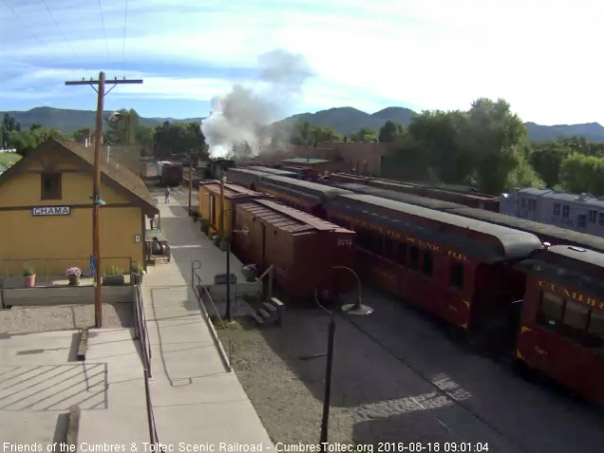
(242, 115)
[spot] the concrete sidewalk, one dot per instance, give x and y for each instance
(195, 399)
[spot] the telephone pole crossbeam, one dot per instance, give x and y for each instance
(96, 195)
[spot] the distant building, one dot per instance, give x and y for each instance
(583, 213)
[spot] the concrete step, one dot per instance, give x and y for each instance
(265, 314)
(257, 318)
(277, 303)
(269, 307)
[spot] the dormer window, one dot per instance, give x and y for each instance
(50, 186)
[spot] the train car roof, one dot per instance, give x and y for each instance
(514, 243)
(246, 170)
(288, 219)
(274, 171)
(426, 202)
(573, 237)
(578, 254)
(305, 185)
(231, 190)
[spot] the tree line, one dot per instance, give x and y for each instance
(122, 128)
(486, 146)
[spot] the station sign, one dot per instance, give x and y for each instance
(51, 210)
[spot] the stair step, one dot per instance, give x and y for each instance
(277, 303)
(265, 314)
(269, 307)
(257, 318)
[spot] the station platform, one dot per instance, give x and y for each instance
(195, 399)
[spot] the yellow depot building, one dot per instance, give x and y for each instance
(46, 212)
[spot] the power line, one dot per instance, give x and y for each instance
(58, 26)
(104, 30)
(27, 28)
(125, 28)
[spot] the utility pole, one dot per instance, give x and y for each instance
(97, 202)
(190, 181)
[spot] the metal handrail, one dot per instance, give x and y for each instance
(227, 358)
(268, 272)
(142, 333)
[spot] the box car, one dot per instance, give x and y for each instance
(302, 248)
(171, 175)
(245, 177)
(562, 325)
(457, 268)
(210, 203)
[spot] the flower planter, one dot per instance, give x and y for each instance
(29, 281)
(113, 281)
(137, 278)
(74, 280)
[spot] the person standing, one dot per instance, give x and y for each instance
(167, 194)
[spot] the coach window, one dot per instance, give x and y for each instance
(557, 209)
(601, 218)
(574, 321)
(401, 254)
(414, 257)
(592, 216)
(581, 221)
(596, 330)
(523, 203)
(427, 262)
(388, 247)
(551, 309)
(377, 243)
(457, 275)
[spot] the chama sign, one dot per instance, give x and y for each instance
(51, 210)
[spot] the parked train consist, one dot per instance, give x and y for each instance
(494, 280)
(170, 174)
(468, 198)
(545, 232)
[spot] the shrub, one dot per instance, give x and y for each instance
(114, 271)
(137, 268)
(28, 271)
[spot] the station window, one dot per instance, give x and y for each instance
(592, 216)
(51, 186)
(556, 209)
(551, 309)
(401, 254)
(428, 262)
(565, 211)
(414, 257)
(457, 275)
(581, 221)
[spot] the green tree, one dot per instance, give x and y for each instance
(390, 132)
(9, 124)
(579, 173)
(547, 158)
(27, 141)
(81, 135)
(325, 134)
(364, 136)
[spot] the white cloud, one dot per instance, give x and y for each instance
(541, 56)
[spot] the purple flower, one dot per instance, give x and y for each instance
(73, 271)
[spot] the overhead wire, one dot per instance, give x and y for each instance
(125, 28)
(104, 29)
(27, 27)
(58, 26)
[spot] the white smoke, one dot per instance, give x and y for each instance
(240, 116)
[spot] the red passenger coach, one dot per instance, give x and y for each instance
(302, 248)
(455, 267)
(562, 330)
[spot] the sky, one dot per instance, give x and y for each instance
(544, 57)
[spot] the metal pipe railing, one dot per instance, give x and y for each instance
(195, 278)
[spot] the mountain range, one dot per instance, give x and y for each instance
(345, 120)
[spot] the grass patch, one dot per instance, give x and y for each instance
(233, 325)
